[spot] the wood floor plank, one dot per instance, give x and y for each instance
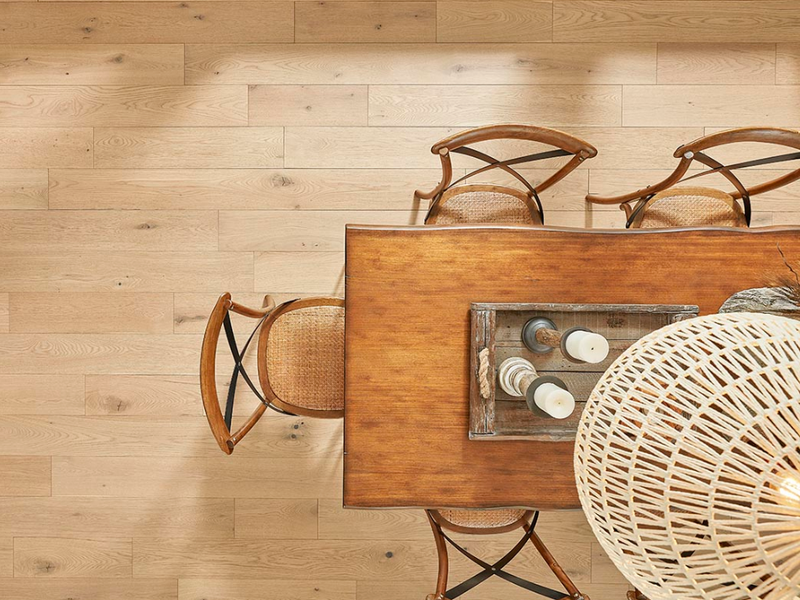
(788, 64)
(308, 105)
(289, 518)
(238, 189)
(111, 518)
(126, 271)
(494, 21)
(336, 522)
(91, 313)
(465, 106)
(296, 231)
(708, 105)
(23, 189)
(140, 395)
(409, 147)
(4, 312)
(386, 560)
(61, 557)
(398, 22)
(146, 23)
(145, 436)
(603, 570)
(43, 147)
(39, 394)
(192, 310)
(185, 477)
(123, 106)
(257, 589)
(663, 20)
(7, 557)
(24, 476)
(588, 219)
(421, 64)
(94, 589)
(79, 353)
(88, 230)
(362, 147)
(122, 64)
(720, 64)
(302, 272)
(189, 147)
(492, 589)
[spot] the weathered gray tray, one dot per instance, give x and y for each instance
(496, 335)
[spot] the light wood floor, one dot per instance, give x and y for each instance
(155, 154)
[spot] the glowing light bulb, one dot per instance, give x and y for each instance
(790, 488)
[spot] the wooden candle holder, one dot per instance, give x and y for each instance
(496, 334)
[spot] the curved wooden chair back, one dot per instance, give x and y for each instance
(494, 203)
(637, 204)
(317, 372)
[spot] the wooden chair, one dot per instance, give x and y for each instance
(485, 522)
(663, 205)
(300, 362)
(451, 203)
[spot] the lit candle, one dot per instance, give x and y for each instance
(587, 346)
(555, 401)
(518, 377)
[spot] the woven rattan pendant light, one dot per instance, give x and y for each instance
(687, 460)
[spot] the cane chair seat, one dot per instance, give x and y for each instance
(690, 207)
(305, 357)
(482, 519)
(484, 204)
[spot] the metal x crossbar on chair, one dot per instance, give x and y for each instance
(489, 522)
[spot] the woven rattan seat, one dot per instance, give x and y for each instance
(484, 204)
(305, 357)
(690, 207)
(482, 519)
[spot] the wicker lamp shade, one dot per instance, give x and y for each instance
(687, 460)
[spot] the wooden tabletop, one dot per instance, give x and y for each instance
(408, 292)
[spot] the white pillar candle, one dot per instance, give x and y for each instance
(587, 346)
(555, 401)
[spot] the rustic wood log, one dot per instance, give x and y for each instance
(771, 300)
(549, 337)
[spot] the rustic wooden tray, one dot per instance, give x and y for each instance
(496, 335)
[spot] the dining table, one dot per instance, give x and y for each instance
(408, 293)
